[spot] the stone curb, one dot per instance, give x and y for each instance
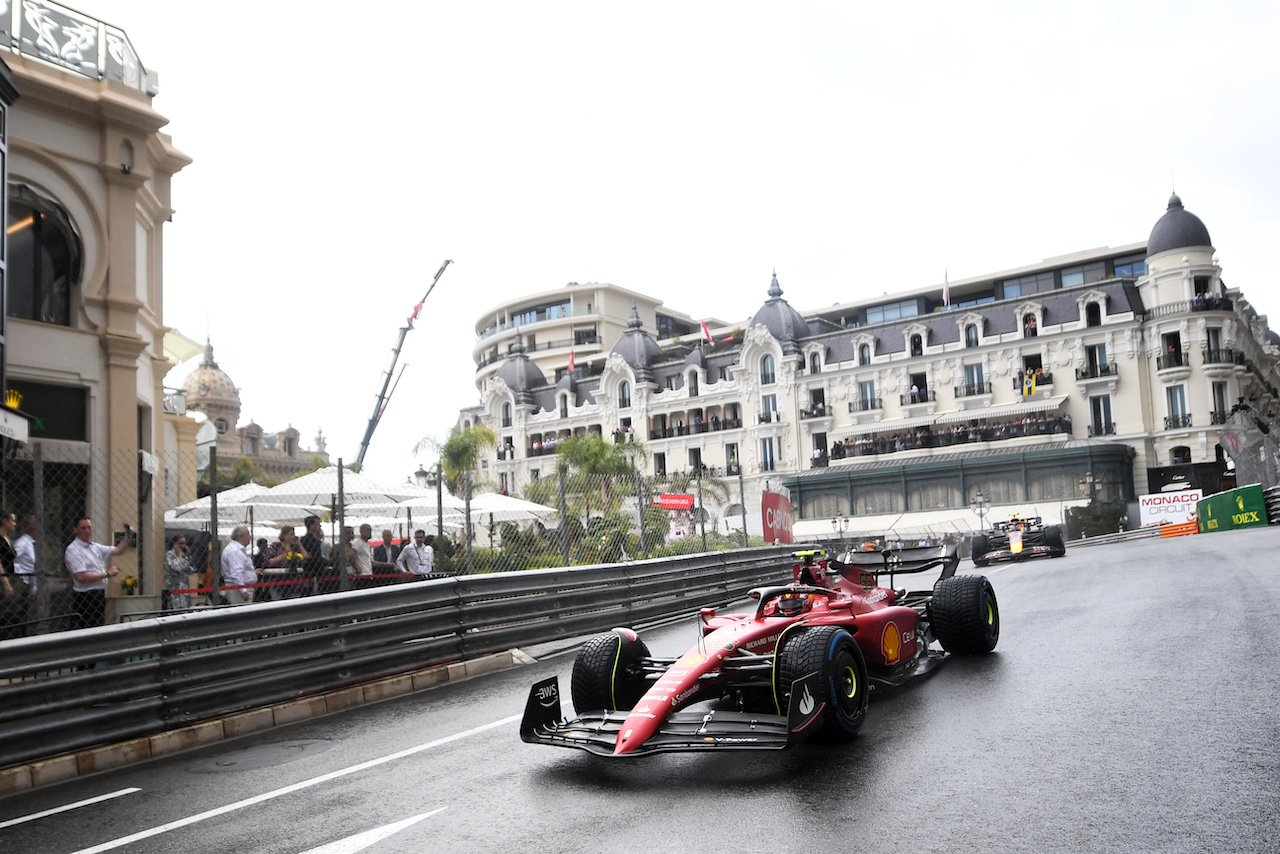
(44, 772)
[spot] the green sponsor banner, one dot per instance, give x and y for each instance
(1243, 507)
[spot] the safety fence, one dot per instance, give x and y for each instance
(71, 690)
(308, 534)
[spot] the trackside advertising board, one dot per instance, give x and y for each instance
(776, 511)
(1242, 507)
(1171, 507)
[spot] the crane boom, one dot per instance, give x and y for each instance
(383, 397)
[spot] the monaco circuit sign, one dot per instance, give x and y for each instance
(1171, 507)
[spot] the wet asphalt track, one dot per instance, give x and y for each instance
(1131, 706)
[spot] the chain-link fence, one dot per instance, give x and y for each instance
(1251, 441)
(189, 546)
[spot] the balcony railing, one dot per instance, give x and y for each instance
(866, 404)
(818, 410)
(1093, 372)
(973, 389)
(768, 417)
(1220, 356)
(1042, 378)
(1217, 416)
(1209, 304)
(1171, 360)
(918, 397)
(1174, 422)
(1107, 429)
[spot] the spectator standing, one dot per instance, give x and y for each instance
(360, 553)
(87, 563)
(419, 558)
(385, 553)
(314, 567)
(13, 596)
(237, 568)
(24, 570)
(177, 576)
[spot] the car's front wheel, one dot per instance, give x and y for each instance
(833, 653)
(607, 673)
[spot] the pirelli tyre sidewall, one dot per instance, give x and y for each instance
(1053, 539)
(607, 674)
(833, 653)
(978, 547)
(965, 615)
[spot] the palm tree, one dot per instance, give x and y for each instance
(460, 455)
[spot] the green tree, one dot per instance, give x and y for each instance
(245, 470)
(460, 456)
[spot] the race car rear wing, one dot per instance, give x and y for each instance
(684, 731)
(891, 561)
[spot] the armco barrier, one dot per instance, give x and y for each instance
(1242, 507)
(76, 689)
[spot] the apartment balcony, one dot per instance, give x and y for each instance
(1218, 416)
(1177, 422)
(1174, 366)
(1107, 429)
(1044, 379)
(1221, 362)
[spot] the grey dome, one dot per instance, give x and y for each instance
(520, 373)
(783, 322)
(696, 358)
(1177, 229)
(637, 348)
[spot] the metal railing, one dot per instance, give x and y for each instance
(1173, 422)
(918, 397)
(72, 690)
(973, 389)
(1093, 372)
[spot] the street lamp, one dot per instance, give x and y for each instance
(1089, 484)
(980, 505)
(422, 477)
(840, 524)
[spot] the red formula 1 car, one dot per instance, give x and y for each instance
(803, 661)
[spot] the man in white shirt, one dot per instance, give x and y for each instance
(420, 557)
(360, 553)
(87, 563)
(237, 568)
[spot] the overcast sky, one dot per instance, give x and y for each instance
(344, 150)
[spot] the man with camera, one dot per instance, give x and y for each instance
(87, 563)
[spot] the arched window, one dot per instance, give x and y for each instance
(864, 354)
(767, 376)
(564, 406)
(917, 345)
(815, 364)
(506, 415)
(1093, 314)
(1029, 326)
(44, 258)
(1180, 454)
(971, 335)
(624, 395)
(691, 383)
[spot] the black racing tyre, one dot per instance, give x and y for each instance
(965, 615)
(607, 674)
(978, 547)
(1053, 539)
(832, 652)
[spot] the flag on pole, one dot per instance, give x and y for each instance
(706, 333)
(570, 360)
(1028, 384)
(946, 288)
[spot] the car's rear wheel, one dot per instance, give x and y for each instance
(965, 615)
(833, 653)
(1053, 539)
(607, 673)
(978, 547)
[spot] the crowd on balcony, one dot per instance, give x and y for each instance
(959, 434)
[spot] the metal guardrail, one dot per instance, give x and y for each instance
(76, 689)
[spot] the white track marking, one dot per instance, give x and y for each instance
(305, 784)
(361, 841)
(22, 819)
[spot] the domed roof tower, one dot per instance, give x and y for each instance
(521, 374)
(637, 348)
(783, 322)
(211, 391)
(1179, 228)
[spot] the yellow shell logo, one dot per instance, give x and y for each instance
(891, 643)
(692, 659)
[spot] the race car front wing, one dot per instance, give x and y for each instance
(682, 731)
